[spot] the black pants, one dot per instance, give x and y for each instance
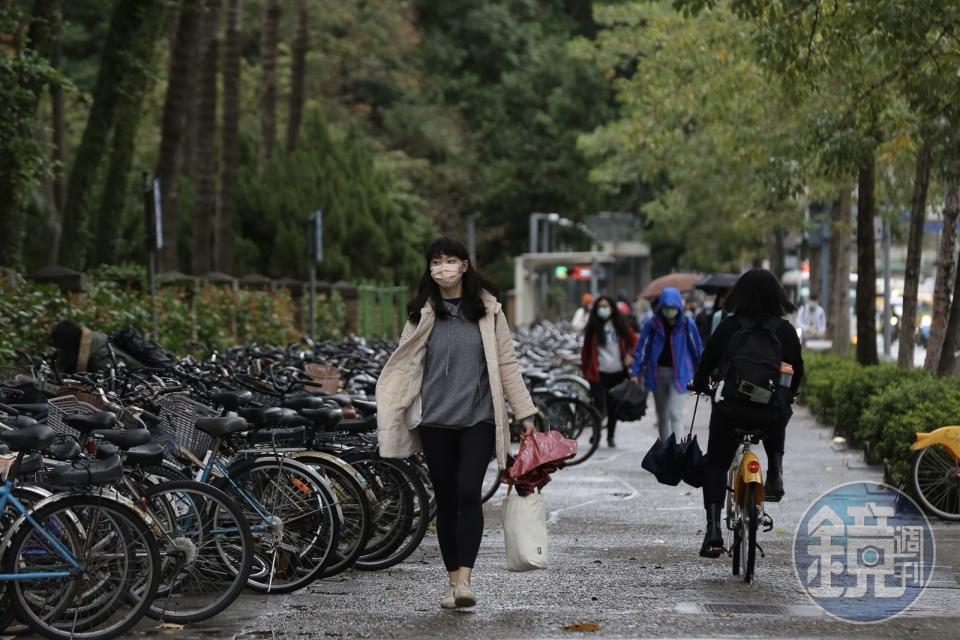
(457, 460)
(603, 401)
(722, 447)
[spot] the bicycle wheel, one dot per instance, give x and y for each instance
(28, 496)
(293, 517)
(119, 568)
(749, 517)
(354, 499)
(206, 550)
(576, 420)
(936, 481)
(404, 515)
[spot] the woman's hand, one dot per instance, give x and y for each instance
(628, 361)
(528, 427)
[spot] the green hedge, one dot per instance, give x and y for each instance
(880, 407)
(215, 316)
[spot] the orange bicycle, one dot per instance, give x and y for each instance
(744, 505)
(935, 472)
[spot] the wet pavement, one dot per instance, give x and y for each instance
(623, 553)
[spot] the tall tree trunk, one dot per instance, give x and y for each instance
(949, 352)
(175, 108)
(268, 99)
(129, 107)
(866, 264)
(815, 258)
(59, 155)
(777, 252)
(943, 286)
(205, 209)
(116, 66)
(911, 278)
(231, 123)
(20, 155)
(301, 44)
(838, 320)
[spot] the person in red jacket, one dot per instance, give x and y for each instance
(608, 347)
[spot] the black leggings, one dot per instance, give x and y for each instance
(603, 401)
(458, 460)
(722, 447)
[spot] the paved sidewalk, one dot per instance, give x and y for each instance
(623, 553)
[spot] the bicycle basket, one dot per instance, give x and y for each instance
(64, 406)
(327, 377)
(125, 417)
(178, 418)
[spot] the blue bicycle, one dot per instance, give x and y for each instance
(79, 564)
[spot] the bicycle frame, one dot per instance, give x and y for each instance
(748, 471)
(947, 437)
(7, 498)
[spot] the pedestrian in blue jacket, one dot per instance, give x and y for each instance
(667, 357)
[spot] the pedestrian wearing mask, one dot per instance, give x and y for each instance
(607, 355)
(457, 362)
(666, 359)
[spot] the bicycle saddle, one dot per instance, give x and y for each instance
(326, 417)
(341, 399)
(304, 402)
(149, 454)
(123, 439)
(219, 427)
(38, 409)
(231, 400)
(261, 415)
(282, 434)
(31, 438)
(30, 464)
(87, 472)
(91, 421)
(363, 425)
(365, 407)
(65, 449)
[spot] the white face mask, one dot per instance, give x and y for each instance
(446, 275)
(670, 313)
(603, 312)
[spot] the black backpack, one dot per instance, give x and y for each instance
(149, 354)
(750, 367)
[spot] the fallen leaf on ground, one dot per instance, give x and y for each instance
(583, 627)
(169, 626)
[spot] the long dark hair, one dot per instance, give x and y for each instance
(473, 284)
(595, 323)
(757, 293)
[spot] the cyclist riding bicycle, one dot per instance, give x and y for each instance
(757, 303)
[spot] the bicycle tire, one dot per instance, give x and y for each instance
(234, 571)
(28, 496)
(932, 467)
(315, 496)
(352, 494)
(140, 565)
(416, 520)
(748, 535)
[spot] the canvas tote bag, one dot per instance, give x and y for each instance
(525, 531)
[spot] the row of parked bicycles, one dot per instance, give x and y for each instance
(168, 492)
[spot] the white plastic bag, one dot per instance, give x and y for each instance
(525, 531)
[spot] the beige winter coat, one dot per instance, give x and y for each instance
(402, 376)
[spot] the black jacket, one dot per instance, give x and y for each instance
(717, 344)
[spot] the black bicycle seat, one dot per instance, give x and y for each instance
(363, 425)
(326, 417)
(261, 415)
(123, 438)
(282, 434)
(304, 402)
(365, 407)
(231, 400)
(145, 454)
(89, 421)
(755, 435)
(219, 427)
(32, 438)
(87, 472)
(341, 399)
(65, 449)
(39, 409)
(30, 464)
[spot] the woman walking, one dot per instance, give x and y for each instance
(667, 356)
(607, 355)
(456, 363)
(756, 299)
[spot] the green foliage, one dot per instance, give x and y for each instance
(368, 231)
(213, 316)
(880, 405)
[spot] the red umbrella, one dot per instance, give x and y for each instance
(541, 453)
(682, 281)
